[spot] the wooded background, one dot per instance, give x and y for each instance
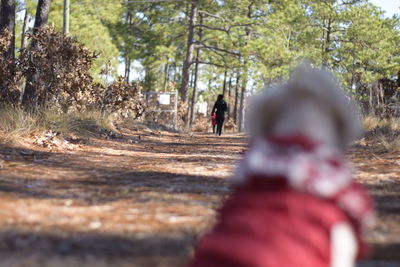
(208, 47)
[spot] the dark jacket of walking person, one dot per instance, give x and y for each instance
(220, 107)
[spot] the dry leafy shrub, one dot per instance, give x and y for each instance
(9, 74)
(202, 123)
(182, 114)
(67, 98)
(123, 99)
(230, 125)
(60, 66)
(390, 143)
(162, 118)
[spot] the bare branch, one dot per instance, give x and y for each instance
(216, 49)
(243, 25)
(211, 15)
(212, 28)
(226, 30)
(213, 64)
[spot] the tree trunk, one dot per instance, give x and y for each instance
(193, 100)
(229, 97)
(382, 95)
(24, 38)
(224, 85)
(7, 22)
(235, 108)
(66, 17)
(327, 43)
(166, 76)
(245, 74)
(127, 68)
(150, 79)
(189, 52)
(371, 100)
(191, 85)
(174, 77)
(242, 95)
(128, 61)
(128, 76)
(42, 15)
(196, 76)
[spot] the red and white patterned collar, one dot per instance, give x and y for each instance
(305, 166)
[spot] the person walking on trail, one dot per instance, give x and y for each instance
(220, 107)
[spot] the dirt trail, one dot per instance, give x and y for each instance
(134, 201)
(140, 200)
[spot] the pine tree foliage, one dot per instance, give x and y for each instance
(244, 44)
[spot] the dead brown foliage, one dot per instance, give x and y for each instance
(202, 124)
(9, 74)
(60, 66)
(124, 99)
(57, 68)
(230, 125)
(182, 114)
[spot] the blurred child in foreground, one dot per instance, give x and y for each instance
(294, 201)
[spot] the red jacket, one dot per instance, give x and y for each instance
(268, 221)
(214, 119)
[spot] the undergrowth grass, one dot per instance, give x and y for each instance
(385, 131)
(16, 122)
(390, 144)
(386, 125)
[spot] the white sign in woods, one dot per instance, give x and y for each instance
(164, 99)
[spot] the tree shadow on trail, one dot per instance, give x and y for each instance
(99, 245)
(167, 147)
(387, 252)
(387, 197)
(95, 182)
(61, 176)
(126, 185)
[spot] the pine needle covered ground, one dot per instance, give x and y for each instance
(142, 197)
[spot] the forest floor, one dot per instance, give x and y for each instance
(143, 198)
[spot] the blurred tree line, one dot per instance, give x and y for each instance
(233, 47)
